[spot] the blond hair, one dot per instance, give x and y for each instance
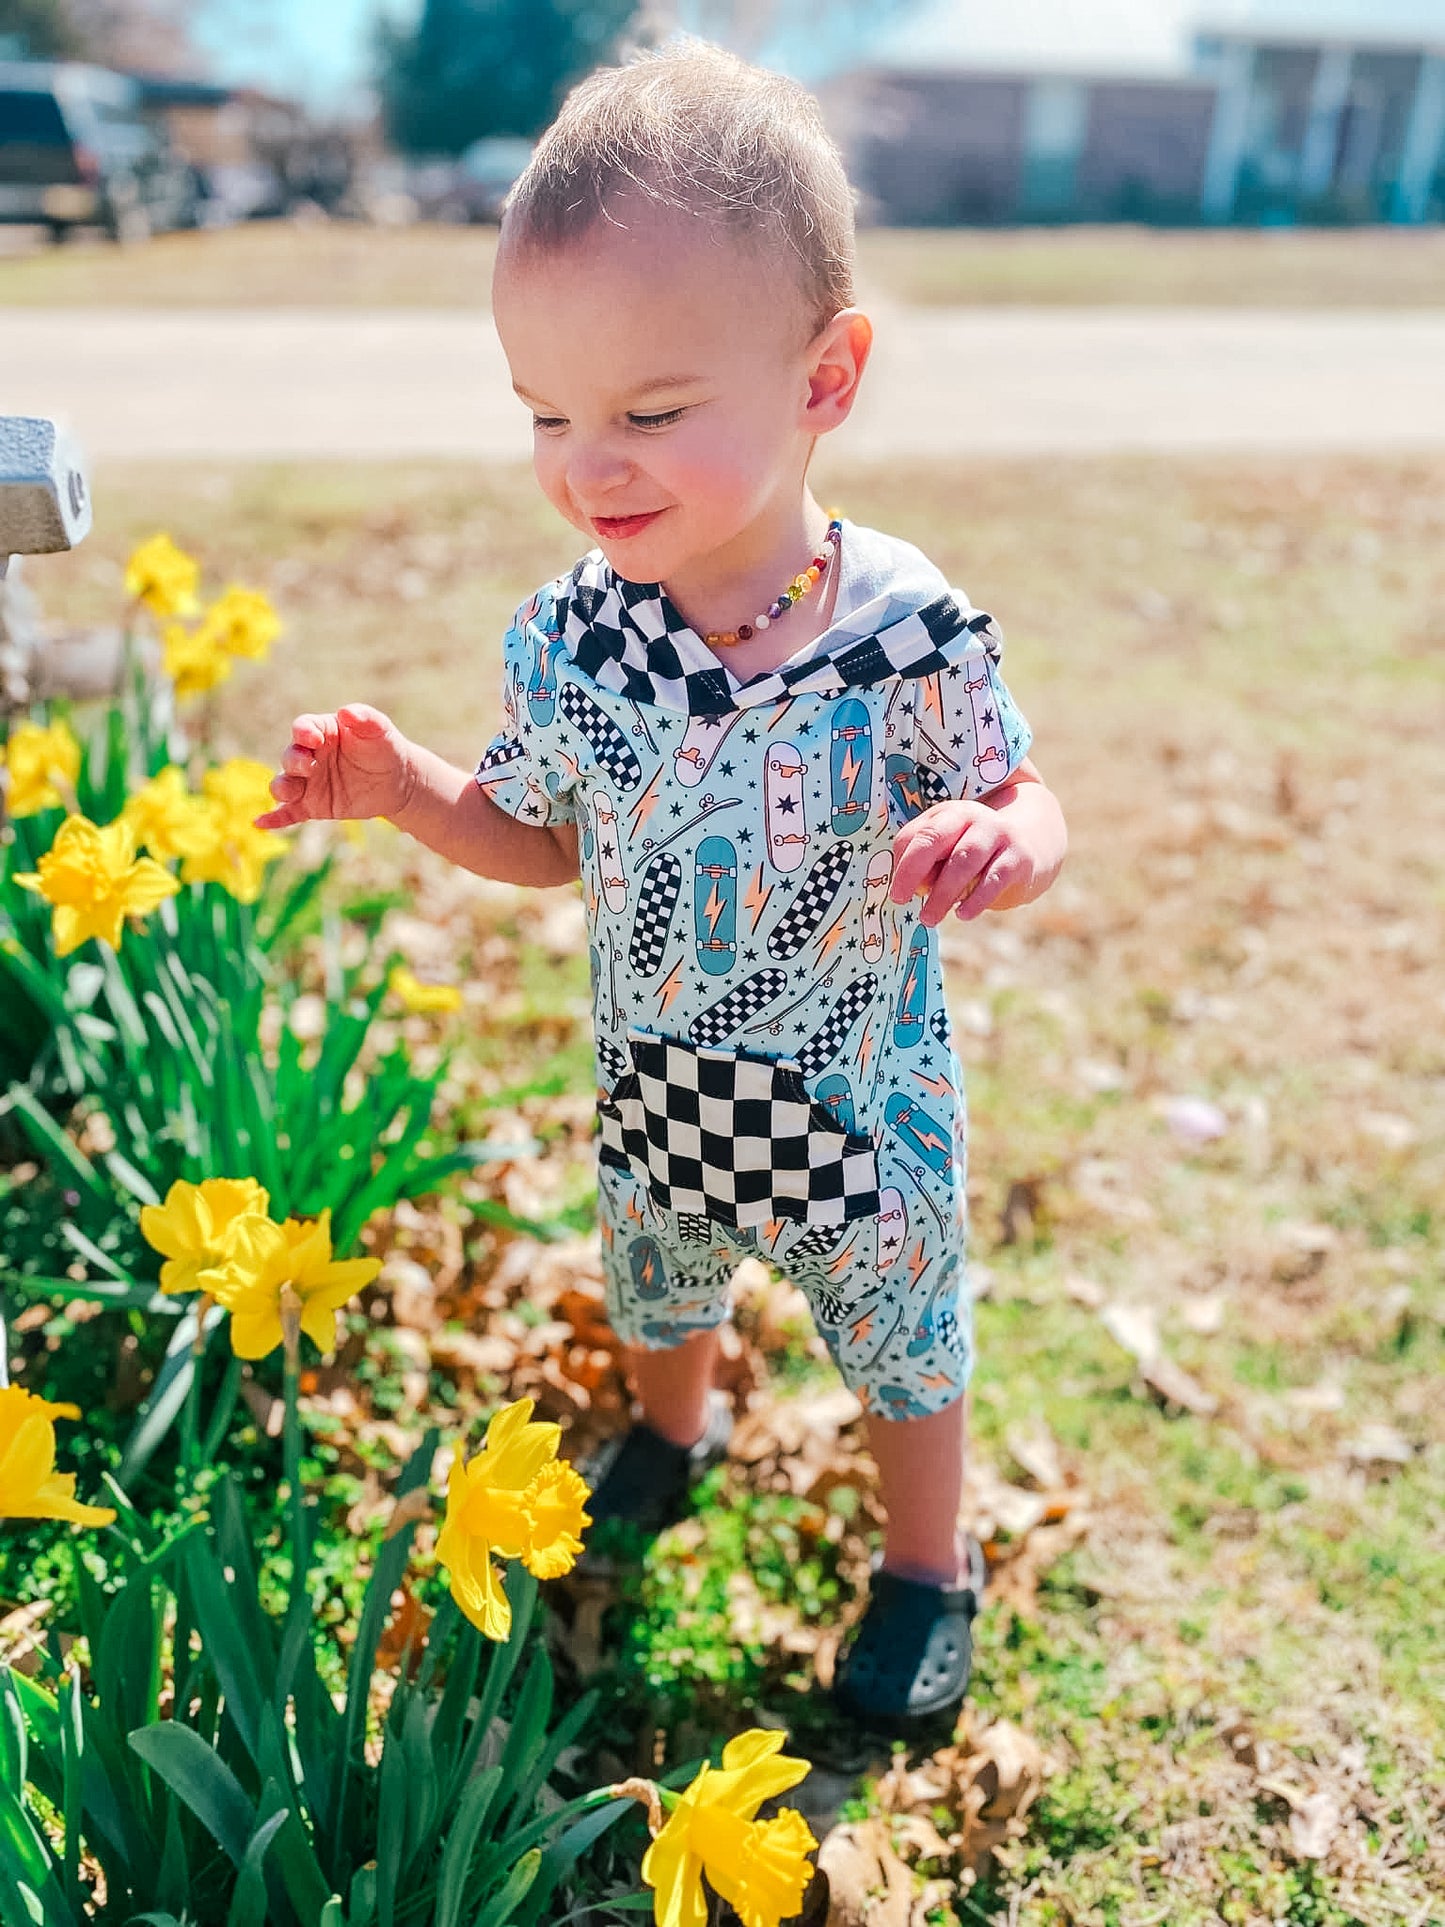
(691, 127)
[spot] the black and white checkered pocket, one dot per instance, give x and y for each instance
(734, 1137)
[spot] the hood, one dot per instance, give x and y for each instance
(899, 620)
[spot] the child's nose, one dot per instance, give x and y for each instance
(594, 468)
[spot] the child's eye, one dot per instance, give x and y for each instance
(548, 422)
(657, 421)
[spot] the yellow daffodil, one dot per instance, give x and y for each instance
(760, 1867)
(167, 820)
(38, 757)
(30, 1486)
(514, 1500)
(419, 998)
(242, 622)
(163, 577)
(94, 879)
(267, 1259)
(195, 1231)
(194, 661)
(235, 853)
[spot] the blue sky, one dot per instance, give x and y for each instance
(320, 49)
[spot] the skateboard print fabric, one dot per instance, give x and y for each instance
(772, 1042)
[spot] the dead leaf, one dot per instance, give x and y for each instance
(1313, 1825)
(269, 1413)
(870, 1885)
(1035, 1451)
(1378, 1444)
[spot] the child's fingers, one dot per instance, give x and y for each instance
(360, 719)
(988, 887)
(310, 732)
(955, 878)
(921, 846)
(298, 761)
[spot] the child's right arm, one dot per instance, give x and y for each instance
(357, 763)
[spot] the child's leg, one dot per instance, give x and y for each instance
(672, 1385)
(920, 1474)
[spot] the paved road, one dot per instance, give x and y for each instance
(990, 381)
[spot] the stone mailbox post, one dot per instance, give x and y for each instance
(44, 506)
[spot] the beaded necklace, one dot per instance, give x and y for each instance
(801, 585)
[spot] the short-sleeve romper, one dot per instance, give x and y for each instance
(774, 1059)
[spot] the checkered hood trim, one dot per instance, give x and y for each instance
(628, 637)
(734, 1138)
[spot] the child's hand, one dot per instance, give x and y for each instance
(962, 856)
(354, 763)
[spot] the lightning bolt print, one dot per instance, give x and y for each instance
(852, 768)
(712, 910)
(755, 897)
(936, 1086)
(865, 1046)
(917, 1263)
(831, 938)
(933, 696)
(670, 988)
(844, 1258)
(644, 806)
(930, 1141)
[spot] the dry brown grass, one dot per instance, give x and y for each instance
(344, 265)
(1236, 674)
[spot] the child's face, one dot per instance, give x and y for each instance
(668, 373)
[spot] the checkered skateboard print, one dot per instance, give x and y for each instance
(661, 885)
(733, 1137)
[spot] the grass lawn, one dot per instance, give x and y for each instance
(273, 264)
(1234, 672)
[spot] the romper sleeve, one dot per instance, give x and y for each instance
(968, 734)
(521, 769)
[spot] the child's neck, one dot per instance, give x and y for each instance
(732, 587)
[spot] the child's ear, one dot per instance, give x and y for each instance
(837, 357)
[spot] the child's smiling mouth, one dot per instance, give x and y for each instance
(615, 526)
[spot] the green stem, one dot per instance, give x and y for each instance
(291, 1441)
(191, 1411)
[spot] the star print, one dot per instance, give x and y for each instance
(750, 956)
(907, 709)
(805, 729)
(745, 836)
(786, 805)
(724, 769)
(526, 729)
(712, 722)
(956, 742)
(676, 808)
(987, 718)
(952, 672)
(750, 735)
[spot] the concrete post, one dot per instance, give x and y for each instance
(44, 507)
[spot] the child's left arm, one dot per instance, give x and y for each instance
(991, 852)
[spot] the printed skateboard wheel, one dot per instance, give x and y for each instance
(715, 905)
(611, 882)
(649, 1274)
(816, 896)
(990, 760)
(702, 739)
(783, 808)
(610, 746)
(542, 683)
(826, 1042)
(913, 788)
(876, 879)
(920, 1132)
(661, 887)
(913, 997)
(892, 1226)
(721, 1019)
(850, 767)
(835, 1094)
